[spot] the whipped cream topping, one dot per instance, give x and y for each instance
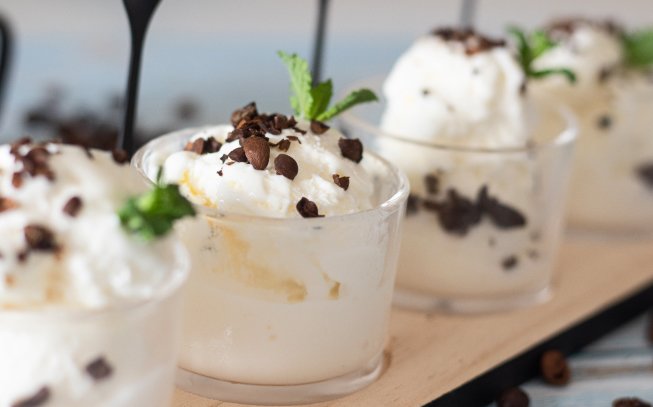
(285, 170)
(63, 245)
(456, 88)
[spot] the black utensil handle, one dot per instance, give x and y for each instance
(126, 140)
(6, 39)
(318, 45)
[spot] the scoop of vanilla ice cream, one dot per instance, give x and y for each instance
(63, 244)
(213, 180)
(441, 91)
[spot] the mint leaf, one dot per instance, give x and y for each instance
(300, 83)
(638, 48)
(568, 73)
(354, 98)
(153, 213)
(321, 95)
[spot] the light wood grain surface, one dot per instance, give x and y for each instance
(433, 354)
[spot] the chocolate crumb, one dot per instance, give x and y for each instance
(39, 238)
(120, 156)
(38, 399)
(7, 204)
(99, 369)
(503, 216)
(432, 183)
(308, 208)
(554, 368)
(630, 402)
(604, 122)
(73, 206)
(412, 204)
(351, 149)
(286, 165)
(224, 158)
(318, 127)
(513, 397)
(220, 172)
(257, 151)
(294, 138)
(284, 145)
(238, 155)
(510, 263)
(342, 182)
(645, 173)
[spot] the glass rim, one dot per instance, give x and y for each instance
(565, 137)
(390, 204)
(178, 277)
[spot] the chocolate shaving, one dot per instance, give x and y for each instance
(203, 146)
(39, 238)
(73, 206)
(470, 39)
(503, 216)
(554, 368)
(248, 112)
(513, 397)
(99, 369)
(630, 402)
(7, 204)
(257, 151)
(38, 399)
(284, 145)
(645, 173)
(248, 123)
(318, 127)
(342, 182)
(307, 208)
(238, 155)
(286, 165)
(351, 149)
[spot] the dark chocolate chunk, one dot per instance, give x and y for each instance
(471, 40)
(7, 204)
(604, 122)
(238, 155)
(38, 399)
(307, 208)
(120, 156)
(645, 173)
(286, 165)
(503, 216)
(458, 214)
(351, 148)
(432, 183)
(73, 206)
(257, 151)
(196, 146)
(630, 402)
(509, 263)
(99, 369)
(284, 145)
(513, 397)
(342, 182)
(39, 238)
(318, 127)
(212, 146)
(246, 113)
(554, 368)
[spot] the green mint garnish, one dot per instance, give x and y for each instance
(638, 48)
(153, 213)
(530, 47)
(312, 102)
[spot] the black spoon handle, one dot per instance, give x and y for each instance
(318, 44)
(6, 38)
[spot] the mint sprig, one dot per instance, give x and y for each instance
(312, 102)
(638, 48)
(152, 214)
(532, 46)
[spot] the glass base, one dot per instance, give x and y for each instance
(415, 301)
(280, 394)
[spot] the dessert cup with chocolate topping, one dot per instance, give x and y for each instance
(89, 313)
(612, 177)
(294, 257)
(487, 173)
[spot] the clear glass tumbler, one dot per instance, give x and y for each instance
(483, 226)
(121, 356)
(286, 311)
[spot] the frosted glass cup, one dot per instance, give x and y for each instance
(287, 311)
(483, 226)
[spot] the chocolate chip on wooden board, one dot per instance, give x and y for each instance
(351, 149)
(513, 397)
(307, 208)
(257, 151)
(37, 399)
(630, 402)
(99, 369)
(286, 165)
(554, 368)
(342, 182)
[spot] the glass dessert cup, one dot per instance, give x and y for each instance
(287, 310)
(612, 177)
(483, 226)
(121, 356)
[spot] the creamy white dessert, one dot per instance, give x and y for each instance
(274, 298)
(87, 311)
(612, 184)
(477, 231)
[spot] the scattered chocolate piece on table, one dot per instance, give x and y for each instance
(554, 368)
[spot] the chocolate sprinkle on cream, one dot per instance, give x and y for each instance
(39, 238)
(248, 122)
(257, 151)
(286, 165)
(554, 368)
(7, 204)
(73, 206)
(307, 208)
(318, 127)
(503, 216)
(120, 156)
(342, 182)
(99, 369)
(645, 173)
(238, 155)
(203, 146)
(630, 402)
(245, 113)
(470, 39)
(38, 399)
(351, 149)
(284, 145)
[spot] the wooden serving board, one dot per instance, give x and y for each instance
(454, 360)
